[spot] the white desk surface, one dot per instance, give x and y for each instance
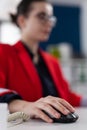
(80, 124)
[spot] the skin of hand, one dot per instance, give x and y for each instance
(34, 109)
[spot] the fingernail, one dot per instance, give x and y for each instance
(73, 109)
(50, 120)
(57, 115)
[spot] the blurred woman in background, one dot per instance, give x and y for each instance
(31, 79)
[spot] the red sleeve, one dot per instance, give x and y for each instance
(3, 71)
(73, 98)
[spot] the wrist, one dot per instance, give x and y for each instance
(17, 105)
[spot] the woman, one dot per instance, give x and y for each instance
(30, 79)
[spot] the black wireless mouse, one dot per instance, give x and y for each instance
(69, 118)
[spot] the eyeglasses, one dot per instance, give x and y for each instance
(44, 18)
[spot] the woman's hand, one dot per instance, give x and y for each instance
(34, 109)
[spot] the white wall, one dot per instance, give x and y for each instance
(9, 33)
(68, 2)
(6, 7)
(83, 26)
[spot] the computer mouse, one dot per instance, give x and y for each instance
(69, 118)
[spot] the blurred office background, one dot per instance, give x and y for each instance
(68, 40)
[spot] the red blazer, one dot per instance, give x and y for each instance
(18, 73)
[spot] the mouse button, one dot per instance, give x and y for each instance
(70, 116)
(75, 115)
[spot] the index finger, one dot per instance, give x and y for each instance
(67, 105)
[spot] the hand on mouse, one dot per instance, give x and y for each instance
(34, 109)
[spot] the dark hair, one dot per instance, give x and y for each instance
(23, 8)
